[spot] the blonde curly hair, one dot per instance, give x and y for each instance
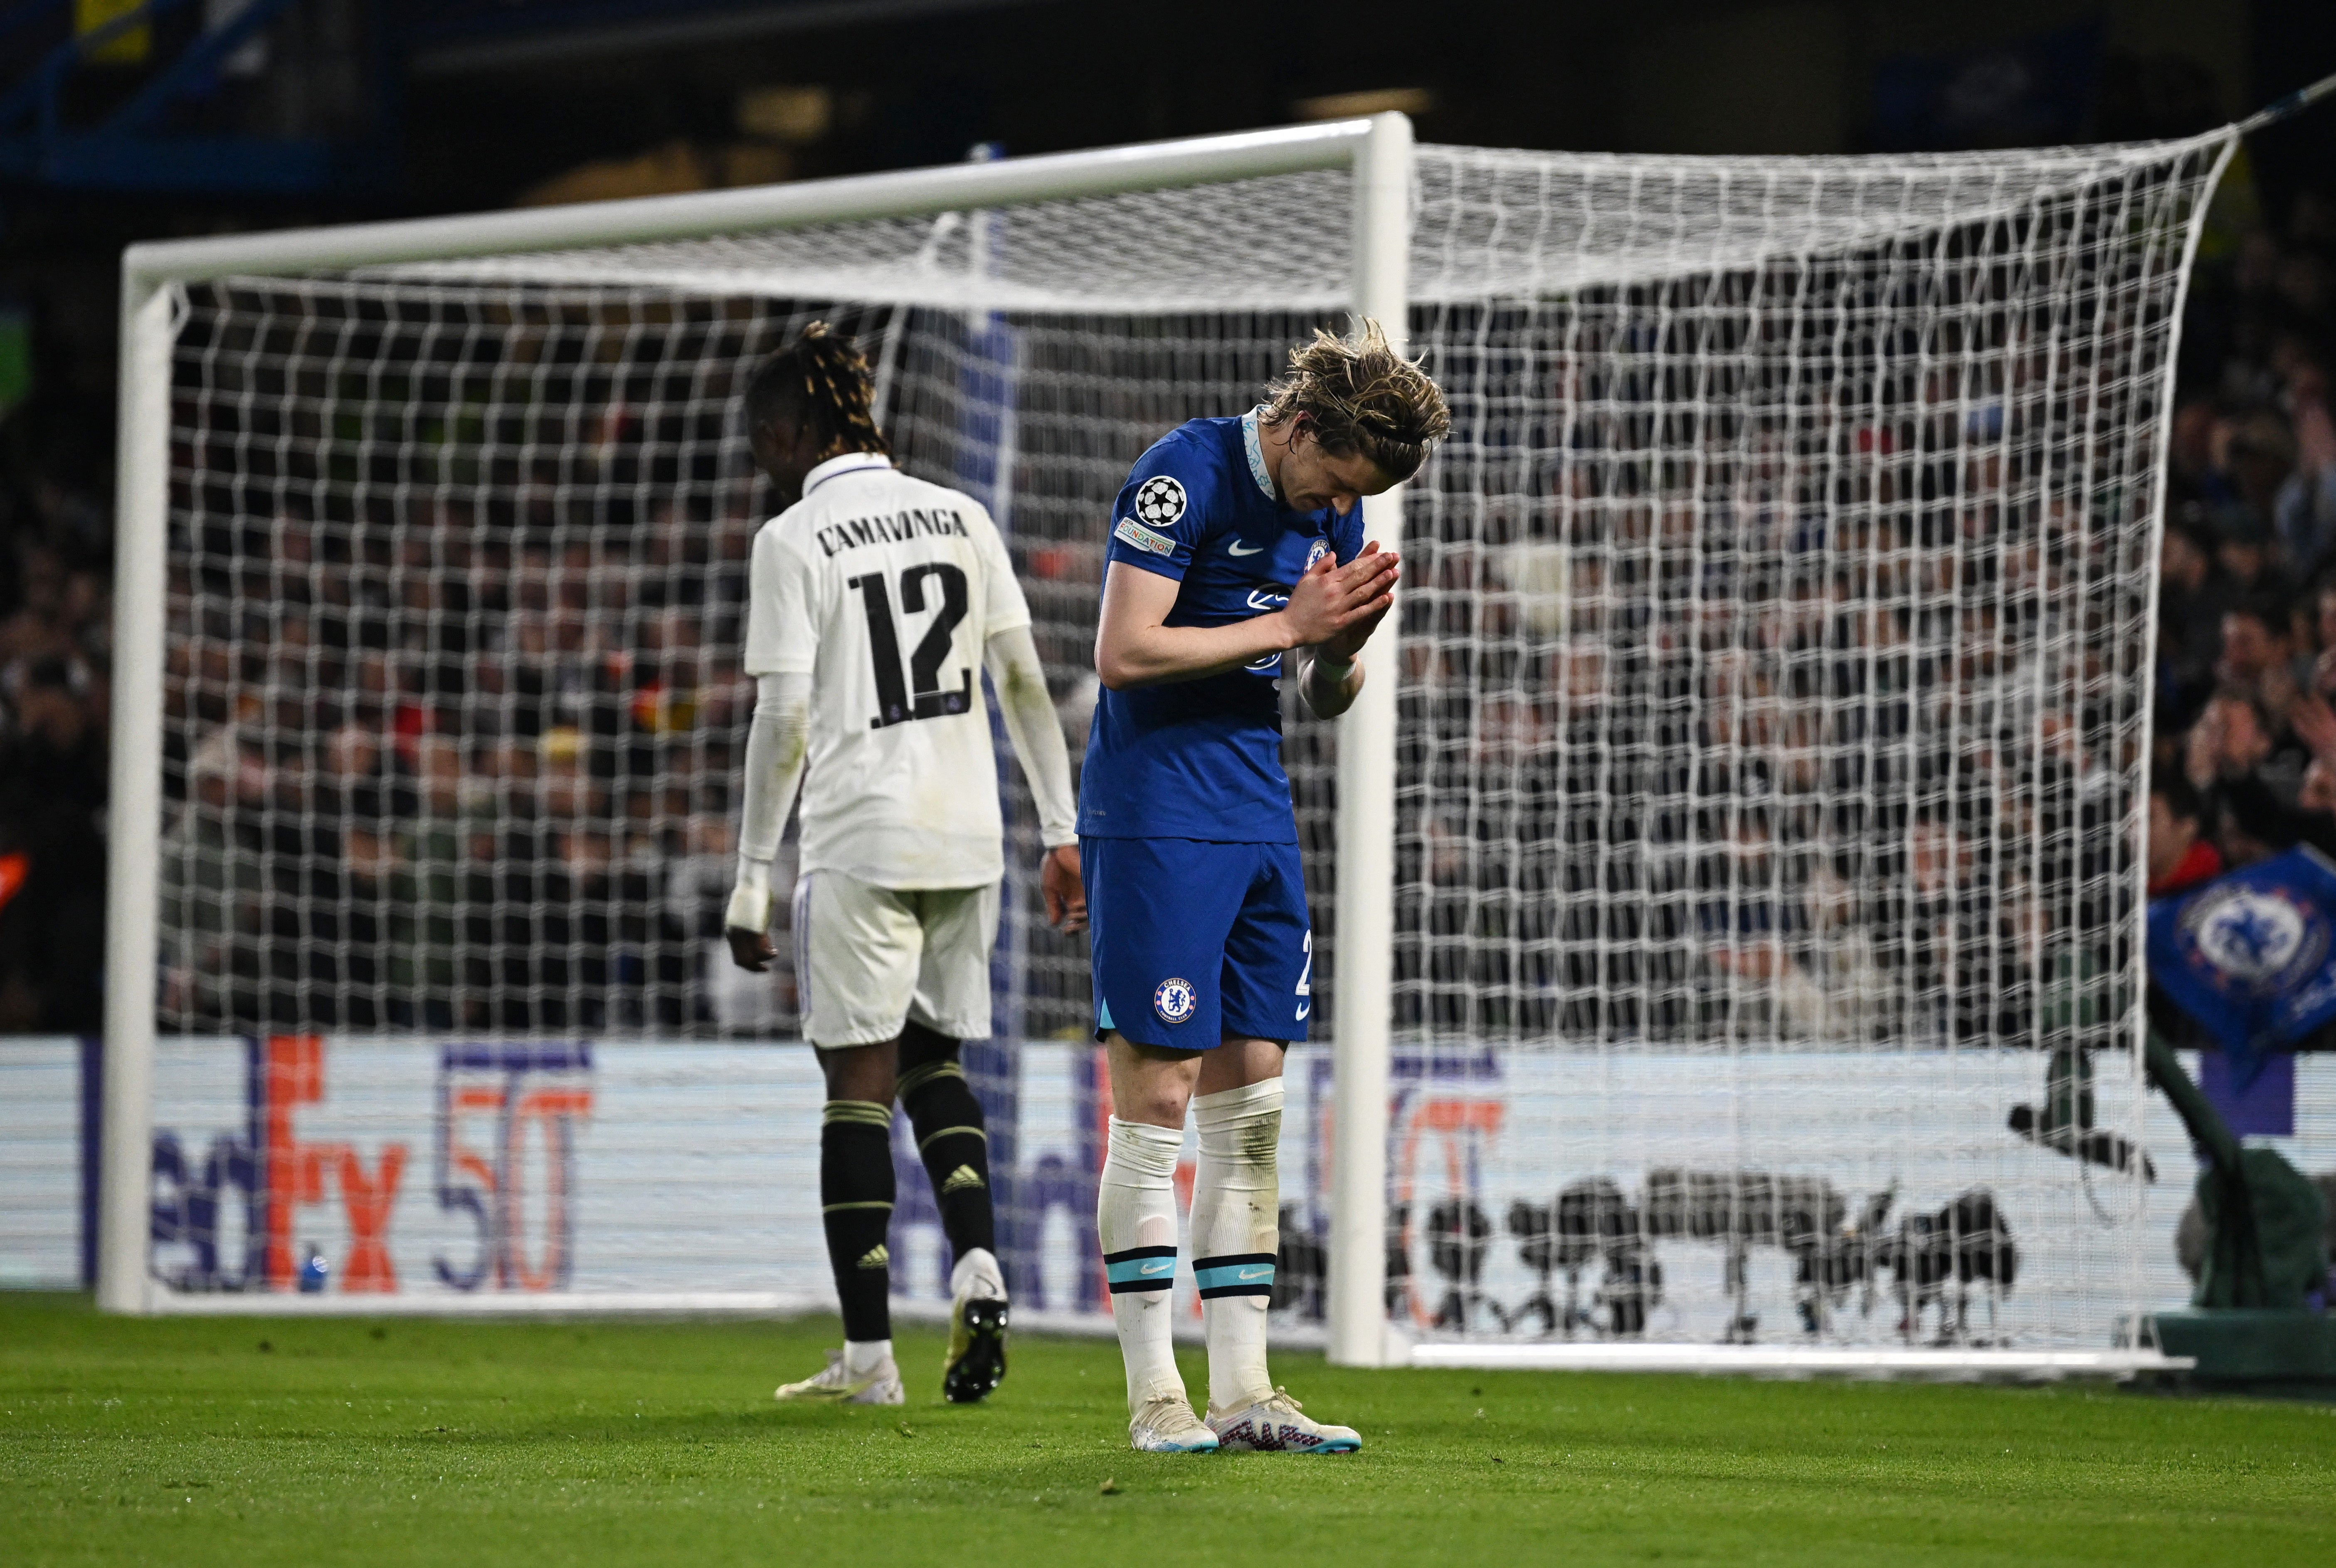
(1357, 394)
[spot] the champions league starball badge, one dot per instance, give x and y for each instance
(2258, 940)
(1159, 501)
(1175, 1000)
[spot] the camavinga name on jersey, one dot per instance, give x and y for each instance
(894, 528)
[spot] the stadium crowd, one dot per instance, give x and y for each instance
(2245, 763)
(459, 771)
(453, 776)
(56, 629)
(1838, 760)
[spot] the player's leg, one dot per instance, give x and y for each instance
(1237, 1212)
(857, 952)
(855, 1198)
(954, 1145)
(953, 1142)
(1266, 986)
(1136, 1222)
(1157, 911)
(952, 1003)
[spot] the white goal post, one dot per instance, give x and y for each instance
(1378, 150)
(1739, 823)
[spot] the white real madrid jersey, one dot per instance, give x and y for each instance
(885, 589)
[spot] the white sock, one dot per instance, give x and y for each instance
(978, 1274)
(865, 1355)
(1136, 1219)
(1236, 1234)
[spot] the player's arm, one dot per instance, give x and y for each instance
(1331, 685)
(1134, 647)
(1330, 678)
(778, 739)
(782, 651)
(1029, 710)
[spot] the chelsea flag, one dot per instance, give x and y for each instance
(2249, 955)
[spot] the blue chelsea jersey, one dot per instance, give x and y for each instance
(1202, 759)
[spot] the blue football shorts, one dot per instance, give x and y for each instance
(1194, 940)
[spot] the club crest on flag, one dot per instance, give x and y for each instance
(2256, 938)
(2248, 955)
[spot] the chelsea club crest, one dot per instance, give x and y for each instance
(2259, 939)
(1175, 1000)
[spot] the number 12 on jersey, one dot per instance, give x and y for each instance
(915, 693)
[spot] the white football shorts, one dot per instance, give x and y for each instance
(868, 959)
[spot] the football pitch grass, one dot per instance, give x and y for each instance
(252, 1441)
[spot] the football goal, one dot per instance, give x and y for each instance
(1728, 889)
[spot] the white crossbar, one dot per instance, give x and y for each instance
(698, 215)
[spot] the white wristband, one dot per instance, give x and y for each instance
(750, 900)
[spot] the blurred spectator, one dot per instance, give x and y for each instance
(2252, 475)
(2195, 593)
(2242, 541)
(51, 857)
(2255, 654)
(2253, 454)
(2180, 856)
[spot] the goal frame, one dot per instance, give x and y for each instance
(1379, 153)
(1377, 150)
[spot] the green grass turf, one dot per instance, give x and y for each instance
(254, 1441)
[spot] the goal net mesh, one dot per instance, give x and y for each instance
(1772, 737)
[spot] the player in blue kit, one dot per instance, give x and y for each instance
(1234, 543)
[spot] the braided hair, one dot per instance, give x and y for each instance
(819, 383)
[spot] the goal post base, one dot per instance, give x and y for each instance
(2237, 1346)
(1400, 1350)
(520, 1306)
(1803, 1362)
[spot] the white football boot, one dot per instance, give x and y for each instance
(838, 1385)
(1166, 1425)
(1276, 1425)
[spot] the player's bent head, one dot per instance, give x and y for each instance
(1359, 399)
(816, 396)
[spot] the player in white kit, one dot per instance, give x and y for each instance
(876, 600)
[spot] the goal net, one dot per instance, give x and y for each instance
(1770, 745)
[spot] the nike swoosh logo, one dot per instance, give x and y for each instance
(1235, 548)
(1304, 1010)
(1253, 1273)
(1155, 1267)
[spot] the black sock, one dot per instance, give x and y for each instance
(951, 1140)
(855, 1197)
